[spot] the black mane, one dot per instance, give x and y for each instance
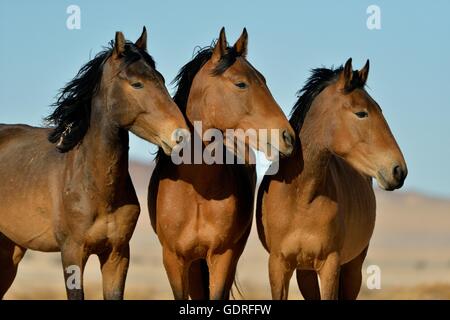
(320, 78)
(71, 117)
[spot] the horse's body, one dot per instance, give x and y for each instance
(77, 197)
(202, 213)
(317, 214)
(340, 219)
(355, 214)
(85, 196)
(25, 189)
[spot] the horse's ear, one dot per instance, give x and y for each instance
(346, 76)
(141, 43)
(241, 44)
(119, 44)
(220, 48)
(364, 73)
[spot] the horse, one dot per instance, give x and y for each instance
(66, 186)
(202, 213)
(317, 214)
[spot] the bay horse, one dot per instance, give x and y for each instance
(202, 213)
(67, 187)
(317, 214)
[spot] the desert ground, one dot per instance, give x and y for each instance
(411, 246)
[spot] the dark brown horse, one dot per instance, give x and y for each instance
(317, 214)
(202, 213)
(67, 188)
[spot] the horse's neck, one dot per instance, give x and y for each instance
(201, 172)
(310, 165)
(198, 169)
(103, 153)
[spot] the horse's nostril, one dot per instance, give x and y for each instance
(288, 139)
(397, 173)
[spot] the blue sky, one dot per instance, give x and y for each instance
(410, 57)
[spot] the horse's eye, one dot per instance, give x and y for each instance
(362, 114)
(137, 85)
(241, 85)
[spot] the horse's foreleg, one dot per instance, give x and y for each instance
(74, 259)
(10, 256)
(177, 271)
(329, 277)
(222, 269)
(222, 272)
(280, 274)
(351, 277)
(114, 265)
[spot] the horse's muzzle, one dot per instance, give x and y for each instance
(288, 143)
(394, 178)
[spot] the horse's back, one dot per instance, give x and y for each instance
(356, 202)
(20, 134)
(26, 148)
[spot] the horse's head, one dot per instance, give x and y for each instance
(356, 130)
(229, 93)
(136, 97)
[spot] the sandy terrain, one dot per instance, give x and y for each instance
(411, 245)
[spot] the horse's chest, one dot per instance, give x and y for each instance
(202, 212)
(213, 224)
(222, 222)
(316, 234)
(113, 228)
(311, 237)
(96, 223)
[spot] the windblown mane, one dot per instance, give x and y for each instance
(320, 78)
(71, 117)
